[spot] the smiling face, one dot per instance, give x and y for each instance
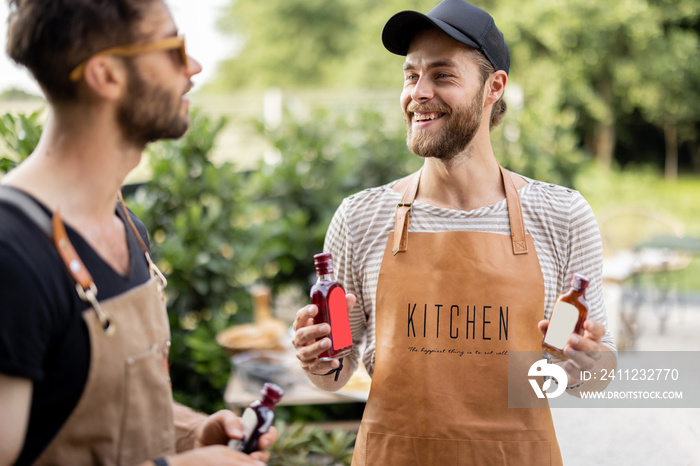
(442, 98)
(153, 107)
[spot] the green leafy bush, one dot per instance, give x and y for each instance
(20, 134)
(196, 215)
(320, 160)
(300, 445)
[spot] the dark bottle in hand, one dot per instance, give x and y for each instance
(569, 313)
(257, 419)
(329, 296)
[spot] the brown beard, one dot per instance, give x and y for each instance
(462, 125)
(149, 112)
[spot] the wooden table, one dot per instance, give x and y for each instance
(302, 392)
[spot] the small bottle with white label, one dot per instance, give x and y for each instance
(257, 419)
(569, 313)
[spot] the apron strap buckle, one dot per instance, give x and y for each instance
(84, 284)
(155, 271)
(89, 295)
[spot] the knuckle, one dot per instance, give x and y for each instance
(305, 355)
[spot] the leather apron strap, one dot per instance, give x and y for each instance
(55, 230)
(26, 204)
(405, 208)
(403, 214)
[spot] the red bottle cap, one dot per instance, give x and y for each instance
(323, 263)
(272, 392)
(579, 282)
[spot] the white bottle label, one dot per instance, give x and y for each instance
(561, 325)
(249, 420)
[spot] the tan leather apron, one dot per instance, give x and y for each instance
(450, 306)
(125, 415)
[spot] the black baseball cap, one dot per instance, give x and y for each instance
(458, 19)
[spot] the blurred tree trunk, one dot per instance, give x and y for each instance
(604, 132)
(695, 156)
(604, 143)
(671, 137)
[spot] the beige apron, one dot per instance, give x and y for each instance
(450, 306)
(125, 413)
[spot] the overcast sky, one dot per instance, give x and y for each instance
(194, 18)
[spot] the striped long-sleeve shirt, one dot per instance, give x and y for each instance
(561, 222)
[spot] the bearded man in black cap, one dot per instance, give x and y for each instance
(452, 268)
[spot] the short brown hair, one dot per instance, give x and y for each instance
(51, 37)
(499, 107)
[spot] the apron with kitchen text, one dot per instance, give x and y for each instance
(450, 307)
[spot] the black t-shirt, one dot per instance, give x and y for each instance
(42, 333)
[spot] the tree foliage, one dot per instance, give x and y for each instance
(310, 43)
(612, 60)
(599, 66)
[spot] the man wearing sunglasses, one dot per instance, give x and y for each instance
(83, 328)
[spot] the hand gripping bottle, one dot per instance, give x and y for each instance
(569, 313)
(257, 419)
(329, 296)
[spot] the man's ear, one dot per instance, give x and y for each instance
(106, 76)
(495, 86)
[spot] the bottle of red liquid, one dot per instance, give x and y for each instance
(257, 419)
(329, 296)
(569, 313)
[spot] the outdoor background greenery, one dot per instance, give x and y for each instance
(602, 97)
(618, 78)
